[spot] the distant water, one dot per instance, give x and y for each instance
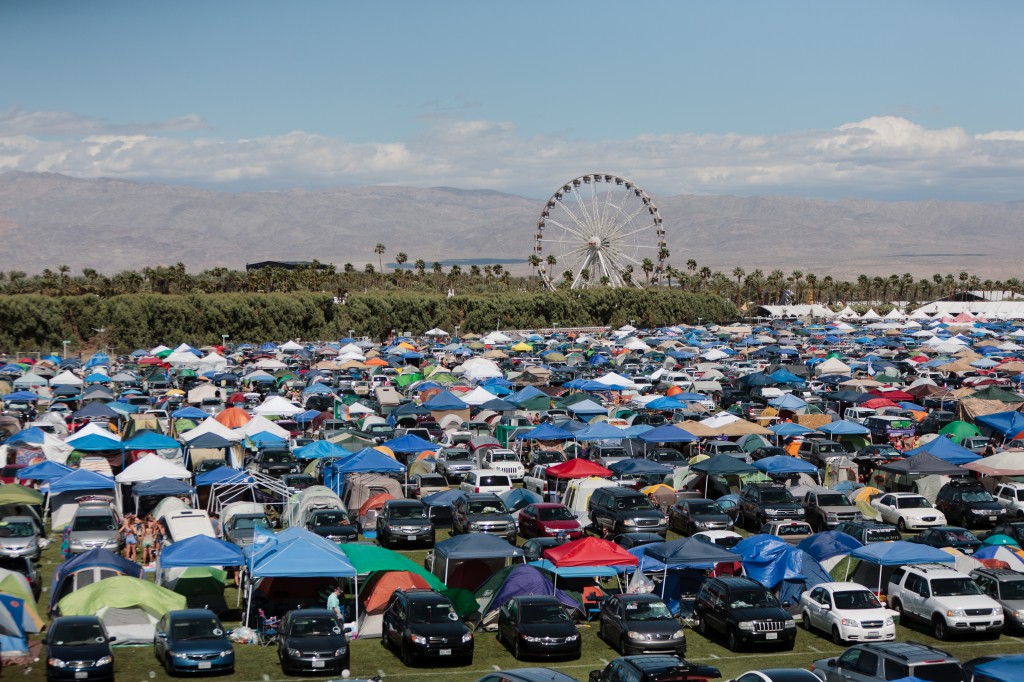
(465, 261)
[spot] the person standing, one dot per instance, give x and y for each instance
(334, 603)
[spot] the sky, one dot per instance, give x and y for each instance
(904, 100)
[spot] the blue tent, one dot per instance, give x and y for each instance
(92, 558)
(445, 498)
(546, 431)
(31, 436)
(723, 465)
(828, 544)
(517, 498)
(666, 403)
(525, 394)
(1005, 668)
(600, 431)
(639, 467)
(844, 428)
(223, 474)
(946, 450)
(774, 563)
(44, 471)
(366, 460)
(201, 550)
(189, 413)
(788, 401)
(784, 464)
(20, 396)
(1008, 424)
(588, 408)
(525, 580)
(163, 486)
(445, 400)
(789, 429)
(81, 479)
(901, 552)
(667, 433)
(320, 449)
(299, 553)
(149, 440)
(409, 443)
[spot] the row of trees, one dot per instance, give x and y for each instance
(756, 287)
(126, 322)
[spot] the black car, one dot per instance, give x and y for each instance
(630, 540)
(965, 501)
(423, 625)
(763, 502)
(745, 612)
(24, 566)
(78, 648)
(527, 675)
(312, 640)
(658, 668)
(935, 421)
(332, 524)
(275, 463)
(667, 456)
(960, 539)
(1012, 529)
(538, 626)
(640, 623)
(533, 549)
(767, 451)
(867, 532)
(297, 482)
(210, 465)
(687, 517)
(404, 522)
(617, 510)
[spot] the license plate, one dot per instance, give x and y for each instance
(772, 635)
(318, 664)
(992, 518)
(873, 635)
(979, 628)
(81, 676)
(410, 537)
(205, 665)
(445, 652)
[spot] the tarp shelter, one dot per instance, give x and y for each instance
(667, 433)
(922, 464)
(1004, 668)
(544, 432)
(723, 465)
(43, 471)
(466, 560)
(589, 551)
(784, 464)
(1008, 424)
(87, 568)
(829, 544)
(129, 608)
(777, 565)
(946, 450)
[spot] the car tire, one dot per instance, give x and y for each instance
(805, 621)
(901, 525)
(733, 641)
(837, 637)
(517, 650)
(940, 628)
(406, 656)
(702, 626)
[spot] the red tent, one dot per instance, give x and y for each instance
(878, 403)
(589, 551)
(577, 468)
(894, 395)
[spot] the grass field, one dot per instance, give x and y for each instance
(369, 658)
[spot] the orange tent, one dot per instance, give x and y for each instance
(376, 362)
(233, 417)
(375, 502)
(386, 583)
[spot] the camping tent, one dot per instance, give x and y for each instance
(466, 560)
(129, 608)
(87, 568)
(514, 581)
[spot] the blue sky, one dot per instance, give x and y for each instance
(894, 100)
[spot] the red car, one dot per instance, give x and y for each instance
(548, 519)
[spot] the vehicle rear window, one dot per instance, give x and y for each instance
(937, 672)
(86, 523)
(495, 480)
(881, 535)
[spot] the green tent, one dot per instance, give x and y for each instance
(369, 558)
(12, 493)
(960, 430)
(403, 380)
(996, 393)
(128, 607)
(202, 587)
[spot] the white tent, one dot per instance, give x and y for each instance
(260, 424)
(277, 406)
(268, 363)
(436, 332)
(183, 360)
(212, 426)
(291, 346)
(93, 429)
(613, 379)
(495, 338)
(150, 468)
(832, 366)
(478, 396)
(213, 362)
(66, 378)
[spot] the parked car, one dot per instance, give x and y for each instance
(790, 531)
(312, 640)
(767, 451)
(667, 456)
(94, 526)
(1007, 588)
(879, 661)
(881, 451)
(719, 447)
(454, 463)
(486, 481)
(27, 568)
(192, 641)
(1010, 496)
(818, 451)
(423, 625)
(848, 612)
(482, 513)
(778, 675)
(966, 502)
(333, 524)
(909, 511)
(296, 483)
(615, 510)
(538, 626)
(867, 531)
(275, 463)
(527, 675)
(1011, 529)
(533, 549)
(959, 539)
(19, 537)
(934, 421)
(744, 611)
(78, 648)
(548, 519)
(763, 502)
(687, 517)
(722, 538)
(826, 509)
(947, 600)
(421, 485)
(404, 522)
(631, 540)
(640, 623)
(653, 668)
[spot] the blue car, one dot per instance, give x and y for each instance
(78, 648)
(193, 641)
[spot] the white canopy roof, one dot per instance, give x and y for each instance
(150, 468)
(211, 426)
(277, 406)
(260, 424)
(66, 378)
(478, 396)
(93, 429)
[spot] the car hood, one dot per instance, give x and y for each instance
(570, 524)
(713, 518)
(324, 531)
(770, 613)
(507, 518)
(669, 626)
(78, 652)
(786, 506)
(418, 523)
(919, 513)
(988, 506)
(200, 646)
(18, 542)
(848, 509)
(640, 513)
(315, 643)
(862, 614)
(548, 629)
(93, 535)
(1013, 604)
(970, 601)
(451, 629)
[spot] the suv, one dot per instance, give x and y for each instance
(935, 421)
(818, 450)
(826, 509)
(486, 481)
(744, 611)
(404, 522)
(967, 502)
(623, 510)
(482, 513)
(94, 526)
(889, 661)
(454, 463)
(1011, 497)
(423, 624)
(948, 600)
(866, 532)
(274, 463)
(763, 502)
(721, 447)
(653, 668)
(1007, 588)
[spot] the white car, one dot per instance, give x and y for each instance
(1011, 497)
(848, 612)
(909, 511)
(947, 600)
(486, 481)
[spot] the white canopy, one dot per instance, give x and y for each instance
(277, 406)
(66, 378)
(150, 468)
(211, 426)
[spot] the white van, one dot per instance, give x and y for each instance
(577, 495)
(186, 523)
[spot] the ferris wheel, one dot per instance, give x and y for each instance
(600, 230)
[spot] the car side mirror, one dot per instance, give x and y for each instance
(826, 607)
(111, 639)
(162, 635)
(831, 662)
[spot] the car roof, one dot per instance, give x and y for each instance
(403, 503)
(311, 612)
(191, 613)
(74, 620)
(536, 675)
(536, 599)
(1000, 574)
(638, 597)
(908, 651)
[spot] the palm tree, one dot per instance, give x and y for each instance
(534, 261)
(738, 273)
(379, 250)
(401, 258)
(421, 268)
(812, 281)
(691, 265)
(648, 267)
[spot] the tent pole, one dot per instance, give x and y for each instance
(355, 581)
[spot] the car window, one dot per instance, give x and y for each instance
(894, 670)
(848, 661)
(1013, 590)
(856, 599)
(867, 663)
(647, 611)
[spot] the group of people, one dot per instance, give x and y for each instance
(142, 538)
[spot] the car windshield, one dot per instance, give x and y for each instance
(457, 456)
(432, 481)
(548, 457)
(314, 627)
(753, 599)
(196, 628)
(977, 496)
(491, 507)
(829, 448)
(16, 530)
(77, 634)
(833, 501)
(859, 599)
(331, 519)
(554, 514)
(276, 457)
(651, 610)
(543, 613)
(499, 456)
(669, 457)
(408, 511)
(776, 495)
(632, 502)
(882, 534)
(250, 522)
(728, 448)
(433, 613)
(954, 587)
(728, 542)
(959, 536)
(705, 508)
(301, 481)
(938, 672)
(913, 503)
(87, 523)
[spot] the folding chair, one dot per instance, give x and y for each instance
(267, 631)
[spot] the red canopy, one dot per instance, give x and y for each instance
(878, 403)
(589, 551)
(578, 468)
(894, 395)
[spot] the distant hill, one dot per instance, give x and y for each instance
(47, 220)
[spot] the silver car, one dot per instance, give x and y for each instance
(92, 527)
(19, 537)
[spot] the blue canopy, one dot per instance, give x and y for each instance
(783, 376)
(545, 431)
(30, 437)
(20, 396)
(844, 428)
(1007, 423)
(689, 552)
(148, 440)
(475, 546)
(639, 467)
(667, 433)
(600, 431)
(81, 479)
(223, 474)
(788, 401)
(445, 400)
(588, 407)
(409, 443)
(201, 550)
(320, 449)
(44, 471)
(1006, 668)
(789, 429)
(163, 486)
(189, 413)
(901, 552)
(365, 461)
(828, 544)
(266, 439)
(946, 450)
(299, 553)
(784, 464)
(525, 394)
(722, 465)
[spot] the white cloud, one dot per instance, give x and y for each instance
(884, 156)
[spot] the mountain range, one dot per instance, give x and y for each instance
(48, 220)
